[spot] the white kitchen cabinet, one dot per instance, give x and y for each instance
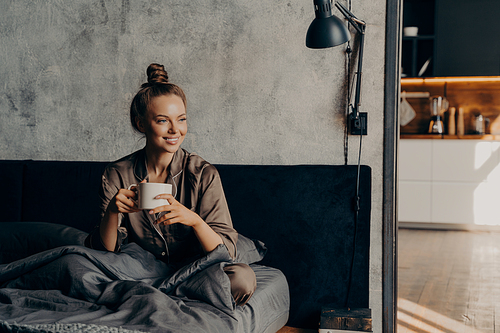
(494, 175)
(487, 203)
(415, 160)
(449, 181)
(462, 160)
(453, 202)
(414, 201)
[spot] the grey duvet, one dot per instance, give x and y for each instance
(76, 289)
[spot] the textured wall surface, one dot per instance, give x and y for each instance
(256, 94)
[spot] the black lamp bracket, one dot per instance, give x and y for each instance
(358, 123)
(358, 24)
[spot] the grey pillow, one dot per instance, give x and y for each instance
(249, 251)
(19, 240)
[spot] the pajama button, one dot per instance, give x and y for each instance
(163, 253)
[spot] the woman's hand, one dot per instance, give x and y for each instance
(175, 213)
(178, 213)
(124, 201)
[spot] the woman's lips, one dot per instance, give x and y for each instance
(172, 141)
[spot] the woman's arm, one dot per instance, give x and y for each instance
(208, 213)
(122, 202)
(108, 230)
(178, 213)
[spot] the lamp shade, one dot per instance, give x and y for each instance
(326, 30)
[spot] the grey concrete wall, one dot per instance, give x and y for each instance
(256, 94)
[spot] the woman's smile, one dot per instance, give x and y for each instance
(166, 123)
(172, 141)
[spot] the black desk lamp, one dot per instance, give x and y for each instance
(327, 30)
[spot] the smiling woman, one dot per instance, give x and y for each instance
(196, 219)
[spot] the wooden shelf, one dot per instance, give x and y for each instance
(486, 137)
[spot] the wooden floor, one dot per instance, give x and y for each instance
(448, 281)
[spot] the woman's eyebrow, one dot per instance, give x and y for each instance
(165, 116)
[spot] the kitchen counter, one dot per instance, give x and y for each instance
(449, 182)
(486, 137)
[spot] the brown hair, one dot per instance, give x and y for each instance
(157, 85)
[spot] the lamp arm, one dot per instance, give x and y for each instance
(356, 23)
(360, 26)
(357, 95)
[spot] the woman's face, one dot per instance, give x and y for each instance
(165, 125)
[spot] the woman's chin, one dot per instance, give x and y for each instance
(170, 149)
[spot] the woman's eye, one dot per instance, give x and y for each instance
(161, 121)
(182, 119)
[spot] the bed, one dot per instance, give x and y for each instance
(58, 285)
(305, 243)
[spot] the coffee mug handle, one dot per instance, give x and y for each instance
(131, 186)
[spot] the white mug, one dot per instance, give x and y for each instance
(410, 31)
(146, 193)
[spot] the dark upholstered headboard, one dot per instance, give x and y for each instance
(304, 214)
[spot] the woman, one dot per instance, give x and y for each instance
(197, 219)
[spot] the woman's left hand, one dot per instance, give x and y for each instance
(178, 213)
(175, 213)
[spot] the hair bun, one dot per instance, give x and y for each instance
(157, 74)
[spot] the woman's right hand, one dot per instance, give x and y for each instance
(124, 201)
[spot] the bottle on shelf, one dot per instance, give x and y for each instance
(460, 122)
(451, 121)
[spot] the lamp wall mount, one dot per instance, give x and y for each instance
(358, 126)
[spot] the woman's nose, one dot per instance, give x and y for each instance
(173, 128)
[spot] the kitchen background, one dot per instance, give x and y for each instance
(450, 179)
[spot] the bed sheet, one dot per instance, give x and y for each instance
(100, 295)
(268, 309)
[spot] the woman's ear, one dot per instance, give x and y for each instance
(139, 124)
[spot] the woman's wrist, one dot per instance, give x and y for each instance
(108, 229)
(208, 238)
(110, 212)
(198, 223)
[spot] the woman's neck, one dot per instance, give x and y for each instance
(157, 165)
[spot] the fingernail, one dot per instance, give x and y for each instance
(151, 212)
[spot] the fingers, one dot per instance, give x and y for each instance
(166, 196)
(124, 201)
(176, 213)
(167, 219)
(172, 217)
(128, 193)
(173, 212)
(126, 208)
(171, 200)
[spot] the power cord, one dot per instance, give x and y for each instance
(357, 199)
(357, 208)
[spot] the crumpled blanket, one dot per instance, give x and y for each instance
(130, 289)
